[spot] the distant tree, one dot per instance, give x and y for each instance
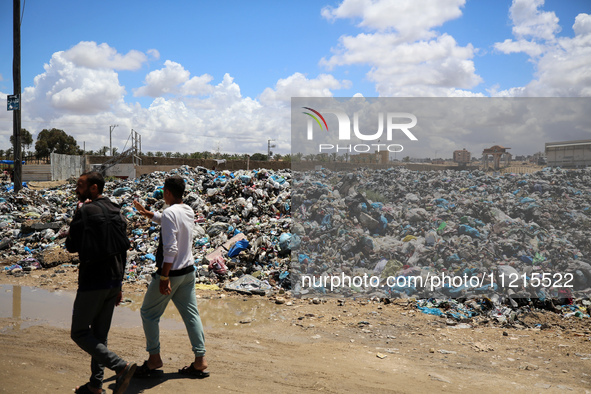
(2, 153)
(195, 155)
(115, 151)
(277, 156)
(168, 154)
(185, 155)
(333, 156)
(287, 158)
(176, 155)
(26, 139)
(322, 157)
(258, 157)
(150, 154)
(206, 154)
(158, 154)
(309, 157)
(406, 159)
(56, 141)
(103, 151)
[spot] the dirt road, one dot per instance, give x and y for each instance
(300, 346)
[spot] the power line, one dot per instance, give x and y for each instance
(23, 13)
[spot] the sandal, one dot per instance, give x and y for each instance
(144, 371)
(193, 373)
(85, 390)
(124, 378)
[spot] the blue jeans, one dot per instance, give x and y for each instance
(183, 296)
(91, 321)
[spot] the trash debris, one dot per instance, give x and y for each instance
(463, 244)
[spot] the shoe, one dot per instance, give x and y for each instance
(124, 378)
(85, 390)
(144, 371)
(190, 371)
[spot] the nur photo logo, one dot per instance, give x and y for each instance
(391, 122)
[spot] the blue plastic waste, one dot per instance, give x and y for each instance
(238, 247)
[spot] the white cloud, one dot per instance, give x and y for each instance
(173, 79)
(89, 54)
(562, 63)
(582, 24)
(188, 113)
(153, 53)
(412, 19)
(509, 46)
(68, 87)
(529, 21)
(297, 85)
(163, 81)
(406, 57)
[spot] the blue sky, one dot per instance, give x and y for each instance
(200, 75)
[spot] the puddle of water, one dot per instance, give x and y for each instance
(30, 306)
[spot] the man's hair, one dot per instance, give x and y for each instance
(176, 186)
(95, 178)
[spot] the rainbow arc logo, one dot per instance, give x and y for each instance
(315, 118)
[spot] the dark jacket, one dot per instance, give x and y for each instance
(95, 274)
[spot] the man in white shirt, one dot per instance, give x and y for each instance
(174, 280)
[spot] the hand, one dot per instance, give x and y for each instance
(119, 298)
(139, 207)
(165, 287)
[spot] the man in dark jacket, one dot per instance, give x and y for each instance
(99, 287)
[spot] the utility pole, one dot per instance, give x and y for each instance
(269, 146)
(111, 128)
(16, 77)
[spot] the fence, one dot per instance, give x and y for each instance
(66, 166)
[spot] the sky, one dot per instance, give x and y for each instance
(200, 75)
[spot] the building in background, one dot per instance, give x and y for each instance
(497, 153)
(569, 153)
(462, 157)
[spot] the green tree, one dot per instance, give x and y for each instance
(158, 154)
(168, 154)
(258, 157)
(2, 153)
(150, 154)
(103, 151)
(206, 154)
(26, 139)
(55, 141)
(277, 156)
(115, 151)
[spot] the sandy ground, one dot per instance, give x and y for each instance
(335, 347)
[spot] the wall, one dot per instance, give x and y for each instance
(66, 166)
(36, 172)
(166, 162)
(569, 156)
(336, 166)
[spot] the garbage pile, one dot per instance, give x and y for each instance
(241, 217)
(493, 242)
(461, 244)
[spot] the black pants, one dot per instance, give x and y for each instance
(91, 321)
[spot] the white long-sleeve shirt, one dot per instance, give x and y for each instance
(177, 223)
